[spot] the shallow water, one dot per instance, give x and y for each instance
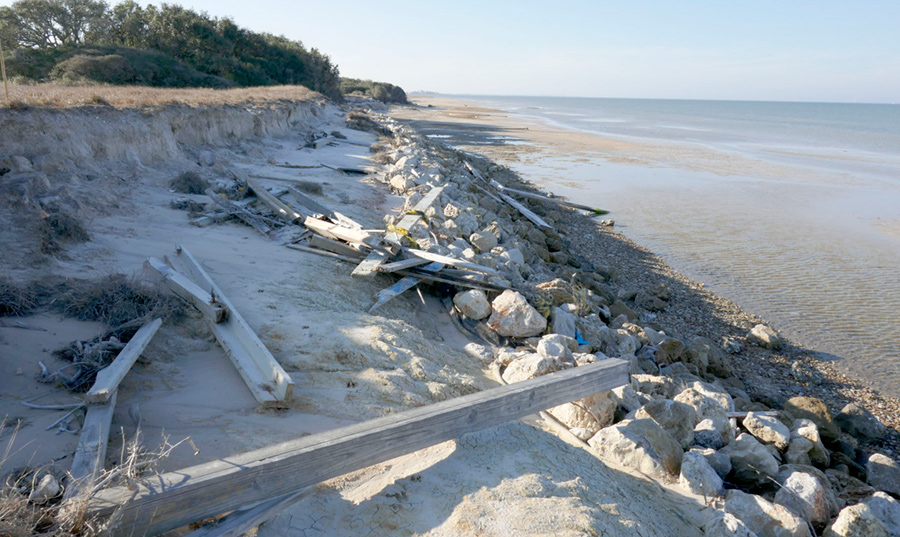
(808, 239)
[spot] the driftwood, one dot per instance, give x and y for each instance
(527, 213)
(594, 211)
(323, 253)
(254, 221)
(181, 285)
(109, 377)
(171, 500)
(90, 453)
(282, 210)
(404, 284)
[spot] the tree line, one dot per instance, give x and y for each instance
(160, 46)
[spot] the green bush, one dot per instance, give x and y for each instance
(380, 91)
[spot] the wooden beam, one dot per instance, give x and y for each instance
(317, 241)
(452, 280)
(109, 377)
(404, 264)
(527, 213)
(90, 453)
(310, 203)
(334, 231)
(282, 209)
(268, 382)
(209, 306)
(239, 212)
(452, 261)
(171, 500)
(323, 253)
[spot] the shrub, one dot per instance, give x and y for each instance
(60, 226)
(380, 91)
(15, 299)
(115, 300)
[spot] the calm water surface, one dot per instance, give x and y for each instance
(800, 223)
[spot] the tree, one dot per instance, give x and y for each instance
(52, 23)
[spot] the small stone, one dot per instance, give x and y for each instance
(708, 434)
(46, 489)
(563, 322)
(483, 241)
(699, 477)
(814, 448)
(558, 347)
(479, 351)
(768, 429)
(721, 524)
(764, 337)
(884, 473)
(513, 316)
(473, 304)
(401, 184)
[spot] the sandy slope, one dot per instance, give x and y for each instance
(348, 365)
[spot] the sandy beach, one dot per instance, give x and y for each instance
(112, 169)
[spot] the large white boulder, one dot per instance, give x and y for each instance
(473, 304)
(699, 477)
(530, 366)
(884, 473)
(677, 418)
(857, 521)
(587, 416)
(805, 495)
(513, 316)
(752, 464)
(642, 445)
(768, 429)
(765, 518)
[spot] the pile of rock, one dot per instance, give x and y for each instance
(684, 416)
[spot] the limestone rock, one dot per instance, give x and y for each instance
(710, 434)
(557, 347)
(530, 366)
(816, 453)
(859, 422)
(764, 518)
(678, 419)
(473, 304)
(513, 316)
(752, 464)
(884, 473)
(558, 291)
(46, 489)
(856, 521)
(719, 461)
(699, 477)
(402, 183)
(642, 445)
(590, 414)
(768, 429)
(706, 406)
(477, 350)
(483, 241)
(832, 502)
(627, 400)
(722, 524)
(564, 323)
(805, 495)
(764, 337)
(815, 410)
(848, 488)
(887, 510)
(653, 385)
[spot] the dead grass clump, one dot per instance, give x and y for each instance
(59, 227)
(309, 187)
(189, 183)
(362, 122)
(339, 135)
(15, 299)
(380, 153)
(117, 299)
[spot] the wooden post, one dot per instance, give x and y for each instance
(109, 377)
(172, 500)
(90, 453)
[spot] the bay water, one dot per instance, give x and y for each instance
(792, 210)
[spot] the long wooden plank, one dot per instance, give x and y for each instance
(452, 261)
(90, 453)
(334, 231)
(402, 285)
(404, 264)
(557, 201)
(376, 258)
(317, 241)
(282, 209)
(109, 377)
(323, 253)
(239, 212)
(171, 500)
(461, 282)
(526, 212)
(310, 203)
(264, 376)
(209, 306)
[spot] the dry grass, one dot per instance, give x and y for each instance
(15, 299)
(23, 96)
(309, 187)
(116, 299)
(59, 227)
(189, 183)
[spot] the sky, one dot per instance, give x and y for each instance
(784, 50)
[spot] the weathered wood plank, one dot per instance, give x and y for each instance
(323, 253)
(264, 376)
(239, 212)
(310, 203)
(401, 286)
(282, 209)
(526, 212)
(109, 377)
(452, 280)
(452, 261)
(171, 500)
(90, 453)
(334, 231)
(208, 305)
(404, 264)
(317, 241)
(557, 201)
